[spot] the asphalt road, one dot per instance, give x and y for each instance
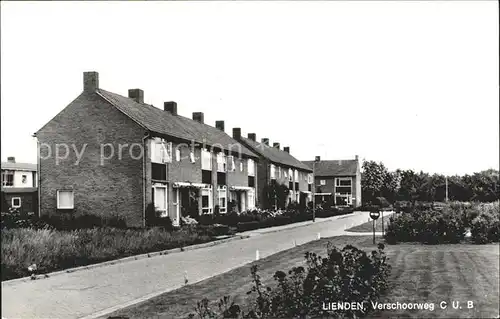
(96, 292)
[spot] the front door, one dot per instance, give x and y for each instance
(243, 201)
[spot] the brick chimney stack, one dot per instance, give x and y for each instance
(170, 107)
(237, 133)
(199, 117)
(136, 95)
(90, 81)
(219, 125)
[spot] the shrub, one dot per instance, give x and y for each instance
(348, 274)
(447, 224)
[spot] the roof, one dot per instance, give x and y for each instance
(162, 122)
(19, 166)
(275, 155)
(19, 189)
(334, 167)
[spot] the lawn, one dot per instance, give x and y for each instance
(420, 274)
(368, 226)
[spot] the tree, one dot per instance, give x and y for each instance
(373, 178)
(275, 195)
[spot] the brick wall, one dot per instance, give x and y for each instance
(29, 201)
(112, 189)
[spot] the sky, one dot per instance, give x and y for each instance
(413, 84)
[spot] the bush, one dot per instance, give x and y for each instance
(15, 219)
(426, 223)
(349, 274)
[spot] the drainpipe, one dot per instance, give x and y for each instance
(38, 176)
(146, 136)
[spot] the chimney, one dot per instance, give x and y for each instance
(11, 159)
(170, 107)
(219, 125)
(252, 136)
(265, 141)
(287, 149)
(277, 145)
(236, 133)
(90, 81)
(136, 95)
(356, 157)
(199, 117)
(318, 158)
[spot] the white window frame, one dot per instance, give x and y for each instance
(164, 213)
(191, 157)
(6, 173)
(339, 179)
(161, 151)
(251, 167)
(221, 162)
(290, 175)
(296, 175)
(72, 198)
(24, 179)
(12, 202)
(206, 155)
(251, 199)
(241, 166)
(273, 171)
(322, 182)
(209, 208)
(177, 154)
(310, 178)
(231, 166)
(220, 191)
(177, 206)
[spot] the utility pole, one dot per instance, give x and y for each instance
(446, 190)
(314, 191)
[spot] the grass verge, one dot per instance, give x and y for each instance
(53, 250)
(420, 274)
(368, 226)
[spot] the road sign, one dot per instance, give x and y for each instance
(375, 214)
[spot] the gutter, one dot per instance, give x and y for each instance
(146, 136)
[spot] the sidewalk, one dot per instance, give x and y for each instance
(99, 291)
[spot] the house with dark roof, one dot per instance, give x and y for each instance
(19, 186)
(337, 181)
(280, 166)
(115, 156)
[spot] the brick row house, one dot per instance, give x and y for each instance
(106, 154)
(337, 181)
(19, 186)
(278, 165)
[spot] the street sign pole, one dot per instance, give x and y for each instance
(373, 231)
(374, 214)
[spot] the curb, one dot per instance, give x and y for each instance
(129, 258)
(318, 220)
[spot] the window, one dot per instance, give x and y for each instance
(322, 182)
(206, 160)
(206, 200)
(343, 181)
(191, 157)
(65, 199)
(160, 199)
(221, 162)
(222, 200)
(273, 171)
(296, 175)
(16, 202)
(241, 166)
(251, 181)
(231, 167)
(284, 173)
(310, 178)
(177, 155)
(251, 199)
(161, 151)
(251, 167)
(8, 178)
(24, 179)
(290, 175)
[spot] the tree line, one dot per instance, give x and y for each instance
(407, 185)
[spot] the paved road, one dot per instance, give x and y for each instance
(98, 291)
